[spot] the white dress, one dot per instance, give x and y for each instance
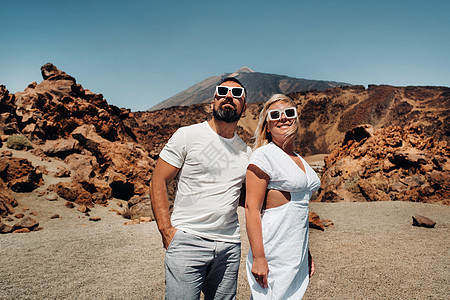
(285, 228)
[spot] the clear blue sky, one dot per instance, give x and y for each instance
(139, 53)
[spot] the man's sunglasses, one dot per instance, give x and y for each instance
(222, 91)
(275, 114)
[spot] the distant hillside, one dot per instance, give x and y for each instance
(260, 86)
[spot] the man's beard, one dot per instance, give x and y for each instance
(227, 114)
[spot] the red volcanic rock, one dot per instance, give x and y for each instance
(56, 106)
(83, 166)
(392, 164)
(139, 206)
(126, 167)
(4, 228)
(422, 221)
(55, 216)
(132, 222)
(95, 219)
(358, 134)
(27, 222)
(61, 172)
(83, 209)
(19, 175)
(21, 230)
(370, 192)
(327, 223)
(61, 147)
(7, 202)
(8, 120)
(73, 192)
(314, 221)
(19, 216)
(50, 71)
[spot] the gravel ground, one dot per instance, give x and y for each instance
(372, 252)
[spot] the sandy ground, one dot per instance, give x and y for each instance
(372, 252)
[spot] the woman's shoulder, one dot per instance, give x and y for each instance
(264, 153)
(267, 148)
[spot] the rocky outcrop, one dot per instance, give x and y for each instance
(392, 163)
(325, 117)
(7, 202)
(93, 141)
(8, 120)
(53, 108)
(20, 175)
(125, 167)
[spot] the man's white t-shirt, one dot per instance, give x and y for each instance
(212, 171)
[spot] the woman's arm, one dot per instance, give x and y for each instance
(312, 267)
(256, 186)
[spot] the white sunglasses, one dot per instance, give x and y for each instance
(275, 114)
(222, 91)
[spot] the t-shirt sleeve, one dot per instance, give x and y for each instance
(260, 159)
(174, 151)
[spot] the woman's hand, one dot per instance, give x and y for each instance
(260, 271)
(312, 267)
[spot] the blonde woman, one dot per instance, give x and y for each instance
(279, 186)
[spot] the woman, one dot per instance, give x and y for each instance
(279, 186)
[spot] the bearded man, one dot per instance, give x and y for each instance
(201, 237)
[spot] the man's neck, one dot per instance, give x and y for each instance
(224, 129)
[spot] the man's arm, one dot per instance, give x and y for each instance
(162, 175)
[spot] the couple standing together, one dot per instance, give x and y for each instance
(213, 165)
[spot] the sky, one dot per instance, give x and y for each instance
(139, 53)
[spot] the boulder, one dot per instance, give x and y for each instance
(20, 175)
(73, 192)
(314, 221)
(61, 147)
(138, 206)
(422, 221)
(27, 222)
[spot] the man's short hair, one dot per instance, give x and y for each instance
(234, 79)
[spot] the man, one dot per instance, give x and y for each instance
(201, 238)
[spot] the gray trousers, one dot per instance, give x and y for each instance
(194, 264)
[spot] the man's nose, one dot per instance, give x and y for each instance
(229, 94)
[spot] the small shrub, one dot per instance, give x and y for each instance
(18, 142)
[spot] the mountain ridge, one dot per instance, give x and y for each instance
(260, 86)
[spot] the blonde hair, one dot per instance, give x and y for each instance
(262, 137)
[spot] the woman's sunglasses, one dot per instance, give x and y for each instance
(275, 114)
(222, 91)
